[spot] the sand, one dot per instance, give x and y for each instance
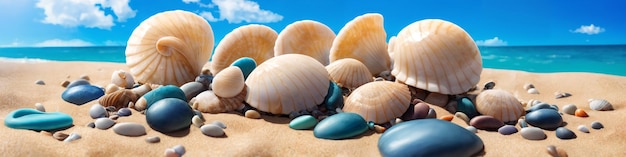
(271, 136)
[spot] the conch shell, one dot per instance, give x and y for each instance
(306, 37)
(500, 104)
(254, 41)
(379, 101)
(169, 48)
(229, 82)
(208, 102)
(349, 73)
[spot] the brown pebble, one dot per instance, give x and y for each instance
(437, 99)
(580, 113)
(153, 139)
(114, 117)
(379, 129)
(60, 135)
(556, 152)
(65, 83)
(43, 132)
(447, 117)
(84, 77)
(253, 114)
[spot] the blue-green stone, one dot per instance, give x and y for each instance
(466, 106)
(32, 119)
(82, 94)
(169, 91)
(340, 126)
(303, 122)
(78, 82)
(334, 98)
(169, 115)
(246, 64)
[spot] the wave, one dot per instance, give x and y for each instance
(24, 60)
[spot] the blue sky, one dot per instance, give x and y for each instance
(490, 22)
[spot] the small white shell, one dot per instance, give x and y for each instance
(500, 104)
(379, 101)
(122, 79)
(528, 86)
(306, 37)
(110, 88)
(600, 105)
(533, 91)
(349, 73)
(254, 41)
(229, 82)
(208, 102)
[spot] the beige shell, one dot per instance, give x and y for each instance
(379, 101)
(122, 79)
(169, 48)
(254, 41)
(349, 73)
(437, 56)
(119, 99)
(306, 37)
(390, 49)
(500, 104)
(110, 88)
(364, 39)
(229, 82)
(208, 102)
(286, 83)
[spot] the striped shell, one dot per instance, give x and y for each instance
(363, 39)
(286, 83)
(379, 101)
(390, 48)
(228, 83)
(500, 104)
(119, 99)
(208, 102)
(349, 73)
(437, 56)
(169, 48)
(600, 105)
(254, 41)
(306, 37)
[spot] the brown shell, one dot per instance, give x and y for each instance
(118, 99)
(208, 102)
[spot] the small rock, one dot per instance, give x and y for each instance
(91, 125)
(417, 111)
(43, 132)
(104, 123)
(198, 113)
(471, 129)
(580, 113)
(447, 117)
(124, 112)
(40, 107)
(65, 83)
(559, 95)
(437, 99)
(212, 130)
(462, 116)
(431, 113)
(129, 129)
(253, 114)
(533, 91)
(153, 139)
(528, 86)
(72, 137)
(303, 122)
(98, 111)
(596, 125)
(220, 124)
(486, 123)
(569, 109)
(489, 85)
(583, 128)
(84, 77)
(466, 106)
(169, 152)
(40, 82)
(507, 130)
(197, 121)
(548, 119)
(179, 149)
(532, 133)
(114, 117)
(60, 135)
(564, 133)
(110, 108)
(522, 123)
(556, 152)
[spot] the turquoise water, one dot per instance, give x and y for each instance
(605, 59)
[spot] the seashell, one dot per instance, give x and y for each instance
(349, 73)
(600, 105)
(533, 91)
(208, 102)
(229, 82)
(169, 115)
(119, 99)
(169, 48)
(379, 101)
(306, 37)
(252, 114)
(286, 83)
(364, 39)
(82, 94)
(253, 40)
(110, 88)
(391, 48)
(500, 104)
(122, 79)
(528, 86)
(423, 53)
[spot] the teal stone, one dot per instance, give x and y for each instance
(334, 98)
(466, 106)
(548, 118)
(169, 115)
(246, 64)
(169, 91)
(32, 119)
(82, 94)
(539, 106)
(303, 122)
(429, 137)
(78, 82)
(340, 126)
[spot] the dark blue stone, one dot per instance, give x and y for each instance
(169, 115)
(246, 64)
(539, 106)
(466, 106)
(340, 126)
(78, 83)
(206, 80)
(32, 119)
(548, 119)
(429, 137)
(334, 98)
(82, 94)
(507, 129)
(564, 133)
(169, 91)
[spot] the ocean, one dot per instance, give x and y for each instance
(604, 59)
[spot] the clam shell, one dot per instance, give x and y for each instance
(110, 88)
(122, 79)
(119, 99)
(364, 39)
(437, 56)
(169, 48)
(286, 83)
(306, 37)
(254, 41)
(500, 104)
(600, 105)
(379, 101)
(229, 82)
(349, 73)
(208, 102)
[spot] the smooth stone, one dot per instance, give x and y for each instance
(84, 77)
(569, 109)
(471, 129)
(466, 106)
(192, 89)
(65, 83)
(437, 99)
(171, 153)
(153, 139)
(169, 115)
(303, 122)
(199, 114)
(104, 123)
(583, 128)
(556, 152)
(78, 82)
(82, 94)
(169, 91)
(252, 114)
(72, 137)
(489, 85)
(564, 133)
(220, 124)
(129, 129)
(533, 91)
(98, 111)
(114, 117)
(596, 125)
(60, 135)
(340, 126)
(432, 113)
(40, 107)
(417, 111)
(580, 113)
(507, 130)
(31, 119)
(548, 119)
(179, 149)
(246, 64)
(197, 121)
(532, 133)
(554, 107)
(462, 116)
(522, 123)
(486, 123)
(205, 80)
(124, 112)
(334, 98)
(538, 107)
(91, 125)
(212, 130)
(40, 82)
(429, 137)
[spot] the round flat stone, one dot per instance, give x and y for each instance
(340, 126)
(596, 125)
(32, 119)
(82, 94)
(564, 133)
(303, 122)
(129, 129)
(507, 130)
(212, 130)
(486, 123)
(532, 133)
(104, 123)
(169, 115)
(548, 119)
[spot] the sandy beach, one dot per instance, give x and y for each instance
(271, 136)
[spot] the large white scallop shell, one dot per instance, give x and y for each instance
(437, 56)
(349, 73)
(229, 82)
(306, 37)
(253, 40)
(286, 83)
(500, 104)
(169, 48)
(379, 101)
(364, 39)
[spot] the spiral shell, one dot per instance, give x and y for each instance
(286, 83)
(500, 104)
(306, 37)
(254, 41)
(122, 79)
(119, 99)
(363, 39)
(208, 102)
(349, 73)
(379, 101)
(437, 56)
(169, 48)
(229, 82)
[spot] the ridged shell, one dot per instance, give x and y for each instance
(122, 79)
(119, 99)
(254, 41)
(110, 88)
(437, 56)
(390, 48)
(208, 102)
(600, 105)
(349, 73)
(500, 104)
(364, 39)
(306, 37)
(169, 48)
(379, 101)
(228, 83)
(286, 83)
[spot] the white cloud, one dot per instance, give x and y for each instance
(495, 41)
(237, 11)
(88, 13)
(63, 43)
(589, 30)
(113, 43)
(208, 16)
(13, 44)
(191, 1)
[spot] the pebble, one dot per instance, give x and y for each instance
(569, 109)
(583, 128)
(417, 111)
(91, 125)
(532, 133)
(47, 133)
(169, 152)
(596, 125)
(437, 99)
(163, 92)
(82, 94)
(104, 123)
(462, 116)
(548, 119)
(31, 119)
(179, 149)
(78, 82)
(466, 106)
(556, 152)
(197, 121)
(129, 129)
(528, 86)
(220, 124)
(600, 105)
(212, 130)
(84, 77)
(431, 113)
(60, 135)
(522, 123)
(471, 129)
(507, 130)
(533, 91)
(303, 122)
(580, 113)
(489, 85)
(124, 112)
(564, 133)
(72, 137)
(447, 117)
(486, 123)
(253, 114)
(199, 114)
(65, 83)
(539, 106)
(40, 107)
(340, 126)
(40, 82)
(114, 117)
(205, 80)
(153, 139)
(192, 89)
(559, 95)
(246, 64)
(169, 115)
(334, 98)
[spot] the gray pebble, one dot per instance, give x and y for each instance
(91, 125)
(104, 123)
(40, 82)
(129, 129)
(432, 113)
(596, 125)
(199, 114)
(114, 117)
(564, 133)
(197, 121)
(60, 135)
(153, 139)
(220, 124)
(124, 112)
(583, 128)
(569, 109)
(191, 89)
(532, 133)
(212, 130)
(98, 111)
(72, 137)
(179, 149)
(471, 129)
(169, 152)
(40, 107)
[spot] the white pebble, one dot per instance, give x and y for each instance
(197, 121)
(72, 137)
(40, 107)
(532, 133)
(104, 123)
(569, 109)
(98, 111)
(179, 149)
(471, 129)
(533, 91)
(169, 152)
(583, 128)
(212, 130)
